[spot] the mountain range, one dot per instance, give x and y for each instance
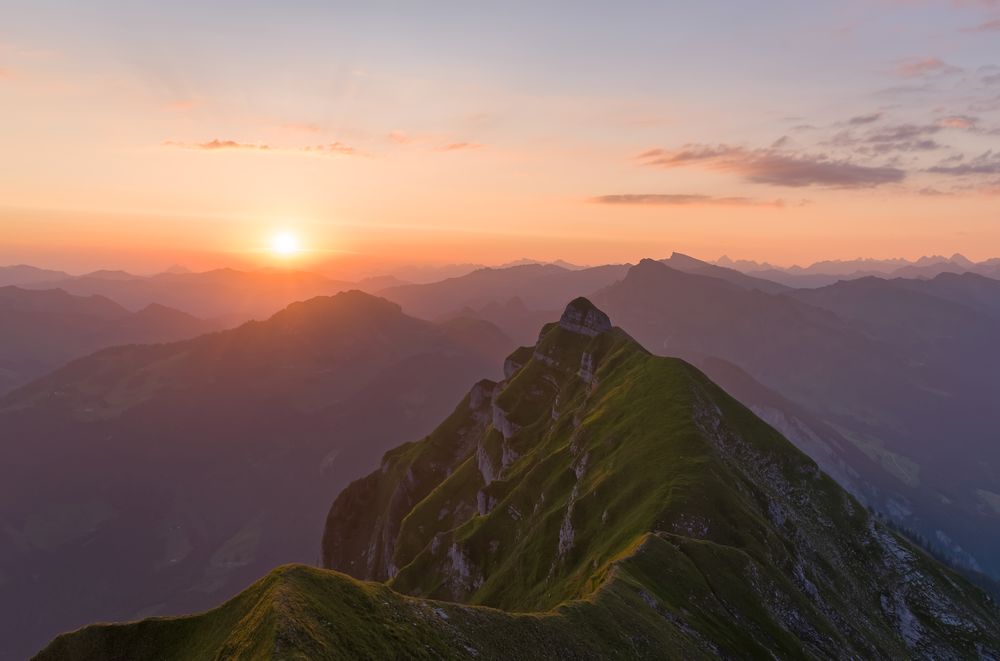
(899, 369)
(596, 502)
(228, 293)
(887, 383)
(149, 479)
(872, 377)
(41, 330)
(825, 273)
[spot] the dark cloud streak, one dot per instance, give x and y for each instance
(680, 199)
(774, 167)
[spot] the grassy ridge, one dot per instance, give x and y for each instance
(600, 502)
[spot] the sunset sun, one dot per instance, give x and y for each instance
(285, 244)
(523, 330)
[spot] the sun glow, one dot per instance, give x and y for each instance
(285, 244)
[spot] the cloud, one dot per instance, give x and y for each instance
(987, 163)
(962, 122)
(924, 67)
(865, 119)
(901, 137)
(992, 25)
(771, 166)
(929, 191)
(675, 199)
(892, 138)
(214, 145)
(332, 148)
(457, 146)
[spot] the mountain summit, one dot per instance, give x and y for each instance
(581, 316)
(598, 502)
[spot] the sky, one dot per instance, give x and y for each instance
(140, 134)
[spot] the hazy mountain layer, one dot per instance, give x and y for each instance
(227, 293)
(538, 286)
(900, 370)
(161, 479)
(623, 506)
(42, 330)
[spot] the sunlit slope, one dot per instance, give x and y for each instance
(599, 502)
(594, 460)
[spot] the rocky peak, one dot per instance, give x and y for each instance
(582, 316)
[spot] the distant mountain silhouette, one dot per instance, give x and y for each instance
(904, 370)
(42, 329)
(22, 274)
(826, 273)
(220, 293)
(518, 321)
(538, 286)
(598, 502)
(688, 264)
(162, 479)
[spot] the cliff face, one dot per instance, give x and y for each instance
(605, 503)
(595, 469)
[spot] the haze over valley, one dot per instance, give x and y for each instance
(499, 331)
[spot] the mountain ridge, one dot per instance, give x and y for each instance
(163, 478)
(612, 504)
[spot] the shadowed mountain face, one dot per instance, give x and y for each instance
(22, 274)
(537, 286)
(902, 371)
(822, 274)
(688, 264)
(42, 330)
(518, 299)
(613, 504)
(220, 293)
(159, 479)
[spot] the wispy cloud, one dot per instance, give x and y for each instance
(926, 66)
(987, 163)
(770, 166)
(865, 119)
(892, 138)
(676, 199)
(458, 146)
(332, 148)
(215, 145)
(930, 191)
(962, 122)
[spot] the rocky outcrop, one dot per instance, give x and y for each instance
(600, 471)
(582, 316)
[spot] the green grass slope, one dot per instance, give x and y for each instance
(599, 502)
(299, 612)
(594, 457)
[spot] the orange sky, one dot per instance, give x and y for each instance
(139, 139)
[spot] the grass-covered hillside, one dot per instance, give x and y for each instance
(595, 465)
(599, 502)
